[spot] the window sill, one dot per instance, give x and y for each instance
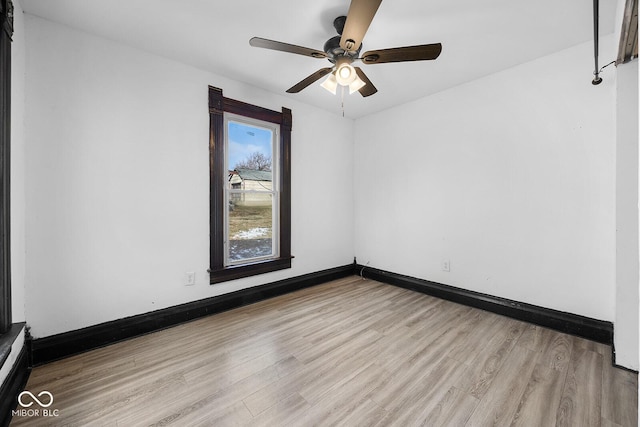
(247, 270)
(7, 340)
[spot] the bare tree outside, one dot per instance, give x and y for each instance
(255, 161)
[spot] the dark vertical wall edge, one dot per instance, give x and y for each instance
(6, 32)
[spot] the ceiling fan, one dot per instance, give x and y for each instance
(344, 49)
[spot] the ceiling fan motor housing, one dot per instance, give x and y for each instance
(332, 46)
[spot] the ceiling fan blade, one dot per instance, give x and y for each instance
(422, 52)
(359, 17)
(307, 81)
(286, 47)
(368, 89)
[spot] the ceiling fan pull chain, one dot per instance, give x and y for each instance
(342, 100)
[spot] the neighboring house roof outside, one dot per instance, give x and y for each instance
(254, 175)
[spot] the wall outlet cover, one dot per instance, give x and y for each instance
(191, 278)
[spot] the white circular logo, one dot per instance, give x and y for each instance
(38, 401)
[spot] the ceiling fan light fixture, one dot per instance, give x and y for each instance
(356, 85)
(345, 73)
(330, 83)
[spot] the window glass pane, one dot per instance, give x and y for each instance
(250, 226)
(250, 147)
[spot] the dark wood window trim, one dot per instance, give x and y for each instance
(6, 32)
(218, 105)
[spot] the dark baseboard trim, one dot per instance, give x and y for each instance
(585, 327)
(13, 385)
(48, 349)
(58, 346)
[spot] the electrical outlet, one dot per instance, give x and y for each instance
(446, 265)
(191, 278)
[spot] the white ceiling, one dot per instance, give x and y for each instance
(479, 37)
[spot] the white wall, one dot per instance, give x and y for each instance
(626, 322)
(510, 177)
(117, 181)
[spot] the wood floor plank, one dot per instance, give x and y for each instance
(530, 337)
(334, 337)
(396, 350)
(556, 350)
(349, 352)
(286, 412)
(541, 398)
(340, 365)
(453, 409)
(270, 395)
(555, 347)
(606, 423)
(620, 397)
(197, 404)
(366, 414)
(500, 403)
(472, 337)
(580, 404)
(486, 363)
(347, 400)
(419, 394)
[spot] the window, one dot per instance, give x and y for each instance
(250, 188)
(252, 218)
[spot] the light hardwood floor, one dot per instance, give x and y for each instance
(350, 352)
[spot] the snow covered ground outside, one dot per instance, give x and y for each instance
(249, 248)
(252, 233)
